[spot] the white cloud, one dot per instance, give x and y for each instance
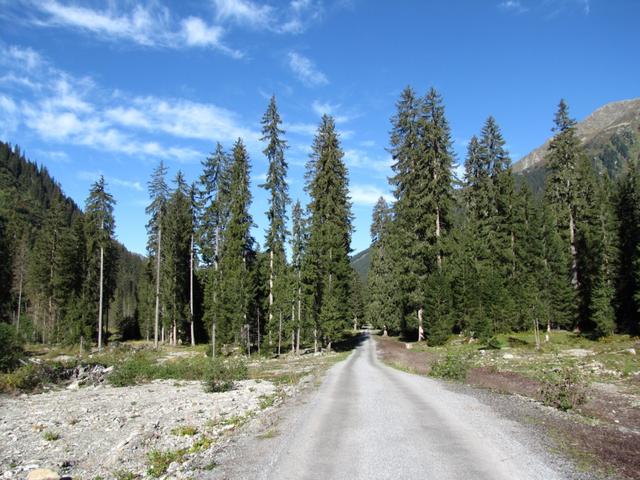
(76, 111)
(356, 158)
(28, 57)
(9, 118)
(327, 108)
(150, 24)
(306, 70)
(243, 11)
(293, 18)
(92, 176)
(301, 128)
(198, 34)
(513, 6)
(367, 195)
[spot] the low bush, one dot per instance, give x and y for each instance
(31, 376)
(144, 367)
(564, 388)
(451, 367)
(11, 351)
(221, 374)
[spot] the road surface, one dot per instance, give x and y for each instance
(370, 421)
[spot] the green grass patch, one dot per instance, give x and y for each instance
(125, 475)
(271, 433)
(184, 431)
(159, 461)
(50, 436)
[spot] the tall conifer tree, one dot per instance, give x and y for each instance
(276, 185)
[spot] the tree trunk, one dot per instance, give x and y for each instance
(420, 327)
(439, 255)
(298, 341)
(213, 340)
(157, 314)
(258, 318)
(271, 287)
(315, 340)
(280, 333)
(573, 250)
(193, 337)
(293, 341)
(19, 301)
(248, 341)
(100, 302)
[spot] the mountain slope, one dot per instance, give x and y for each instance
(361, 262)
(610, 136)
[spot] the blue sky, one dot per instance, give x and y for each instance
(90, 88)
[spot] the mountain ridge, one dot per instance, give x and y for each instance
(610, 135)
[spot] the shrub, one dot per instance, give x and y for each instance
(10, 348)
(452, 367)
(494, 343)
(220, 374)
(564, 389)
(50, 436)
(31, 376)
(159, 461)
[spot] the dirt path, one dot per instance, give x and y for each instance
(370, 421)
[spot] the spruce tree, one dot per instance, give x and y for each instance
(178, 229)
(328, 269)
(560, 188)
(99, 228)
(299, 239)
(159, 195)
(421, 150)
(237, 256)
(213, 205)
(381, 308)
(276, 185)
(627, 206)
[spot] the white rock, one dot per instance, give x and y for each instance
(43, 474)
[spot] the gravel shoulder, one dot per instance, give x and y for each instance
(105, 431)
(370, 421)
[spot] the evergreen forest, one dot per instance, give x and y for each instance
(479, 255)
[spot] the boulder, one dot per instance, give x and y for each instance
(43, 474)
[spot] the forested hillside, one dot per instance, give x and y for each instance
(493, 258)
(610, 137)
(48, 273)
(205, 279)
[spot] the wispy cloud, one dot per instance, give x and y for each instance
(306, 71)
(92, 176)
(76, 111)
(149, 25)
(367, 195)
(356, 158)
(513, 6)
(301, 128)
(333, 109)
(292, 18)
(547, 8)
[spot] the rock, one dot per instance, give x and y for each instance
(408, 345)
(508, 356)
(632, 351)
(43, 474)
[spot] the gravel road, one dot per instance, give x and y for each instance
(370, 421)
